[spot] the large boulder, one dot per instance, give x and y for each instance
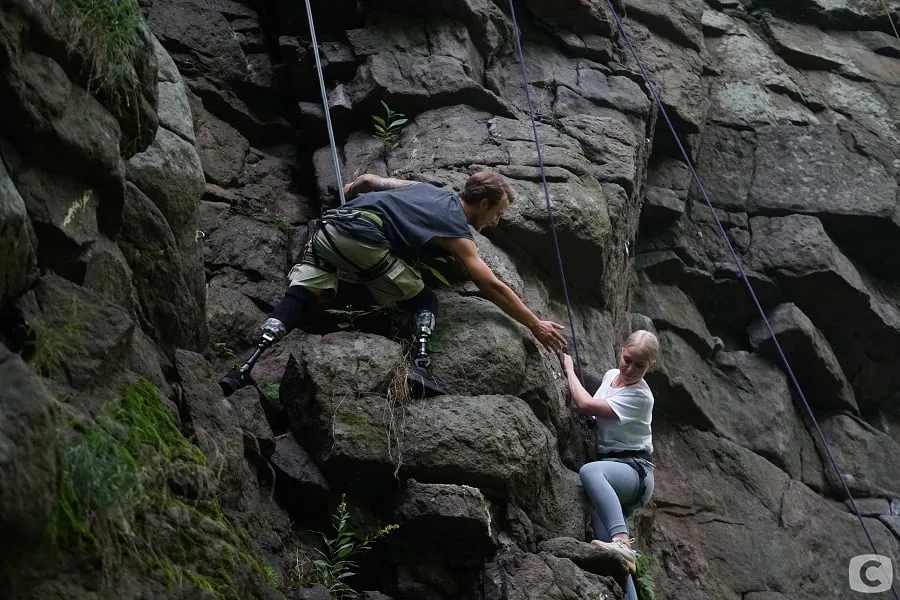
(843, 175)
(222, 63)
(741, 397)
(812, 360)
(345, 394)
(735, 507)
(81, 338)
(477, 350)
(867, 458)
(458, 515)
(168, 175)
(515, 575)
(169, 284)
(809, 266)
(212, 423)
(169, 172)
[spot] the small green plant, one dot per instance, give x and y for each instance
(387, 128)
(643, 580)
(55, 342)
(283, 226)
(336, 564)
(223, 350)
(271, 389)
(349, 317)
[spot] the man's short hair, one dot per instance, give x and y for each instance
(487, 185)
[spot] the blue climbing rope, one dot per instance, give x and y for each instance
(662, 110)
(334, 157)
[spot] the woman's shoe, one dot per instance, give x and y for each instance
(622, 549)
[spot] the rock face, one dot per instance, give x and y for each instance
(797, 151)
(103, 300)
(148, 220)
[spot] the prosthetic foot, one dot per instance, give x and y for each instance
(421, 381)
(236, 379)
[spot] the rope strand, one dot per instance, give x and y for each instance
(540, 157)
(326, 109)
(887, 11)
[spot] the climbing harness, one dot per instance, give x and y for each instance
(359, 275)
(662, 110)
(640, 461)
(334, 157)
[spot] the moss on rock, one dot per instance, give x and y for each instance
(140, 496)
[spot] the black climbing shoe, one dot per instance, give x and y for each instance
(422, 383)
(233, 381)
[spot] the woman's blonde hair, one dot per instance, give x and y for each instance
(646, 341)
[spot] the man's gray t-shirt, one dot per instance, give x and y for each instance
(411, 217)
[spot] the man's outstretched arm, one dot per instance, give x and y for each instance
(367, 182)
(546, 332)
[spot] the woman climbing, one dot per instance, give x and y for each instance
(622, 480)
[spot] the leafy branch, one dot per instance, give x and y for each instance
(336, 564)
(387, 128)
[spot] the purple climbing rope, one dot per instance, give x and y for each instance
(737, 261)
(540, 157)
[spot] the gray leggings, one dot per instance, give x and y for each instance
(610, 484)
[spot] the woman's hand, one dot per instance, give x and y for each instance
(568, 364)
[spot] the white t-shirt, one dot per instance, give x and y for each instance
(634, 406)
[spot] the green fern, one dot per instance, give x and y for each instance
(643, 580)
(336, 564)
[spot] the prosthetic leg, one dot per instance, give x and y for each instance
(419, 376)
(238, 378)
(285, 318)
(422, 382)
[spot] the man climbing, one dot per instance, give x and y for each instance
(386, 222)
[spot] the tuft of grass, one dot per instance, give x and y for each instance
(352, 419)
(151, 429)
(115, 500)
(108, 33)
(55, 342)
(643, 580)
(99, 489)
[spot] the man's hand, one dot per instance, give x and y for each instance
(568, 364)
(548, 334)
